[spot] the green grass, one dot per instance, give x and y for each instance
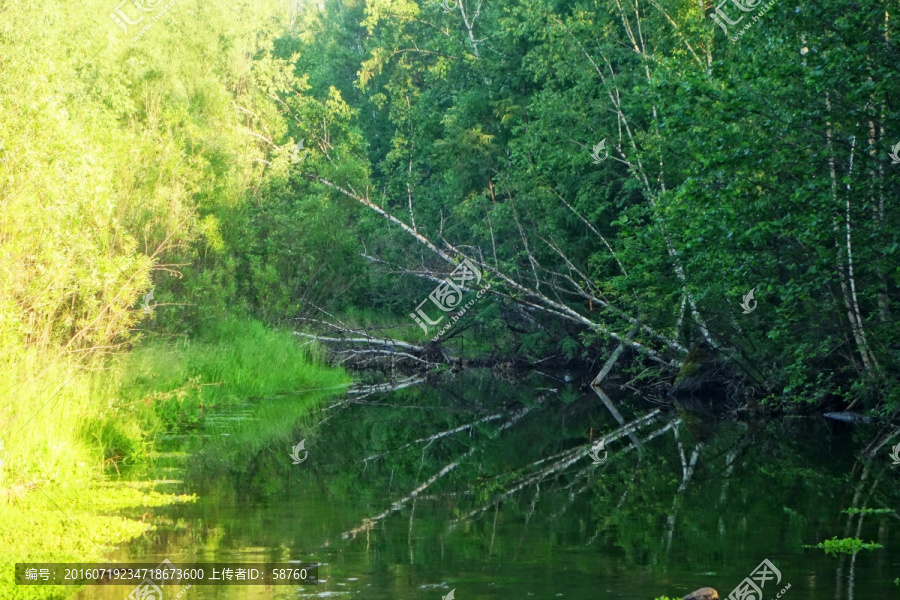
(71, 523)
(238, 360)
(70, 429)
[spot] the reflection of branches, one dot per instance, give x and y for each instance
(364, 391)
(687, 472)
(438, 435)
(399, 504)
(656, 433)
(729, 467)
(856, 503)
(590, 468)
(615, 413)
(560, 462)
(368, 523)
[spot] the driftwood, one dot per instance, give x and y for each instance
(366, 350)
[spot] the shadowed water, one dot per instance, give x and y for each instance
(510, 503)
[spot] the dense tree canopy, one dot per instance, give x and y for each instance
(276, 158)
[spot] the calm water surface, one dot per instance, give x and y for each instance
(517, 508)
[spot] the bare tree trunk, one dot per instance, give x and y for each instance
(540, 300)
(848, 286)
(469, 22)
(608, 366)
(637, 168)
(878, 179)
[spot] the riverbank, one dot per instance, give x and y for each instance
(74, 432)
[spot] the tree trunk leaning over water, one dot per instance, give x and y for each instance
(528, 296)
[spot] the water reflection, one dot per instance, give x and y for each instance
(487, 488)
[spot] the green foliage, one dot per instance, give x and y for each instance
(844, 546)
(168, 162)
(480, 135)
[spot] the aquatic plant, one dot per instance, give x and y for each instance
(844, 546)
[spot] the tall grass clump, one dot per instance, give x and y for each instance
(229, 362)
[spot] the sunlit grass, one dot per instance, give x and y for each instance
(66, 426)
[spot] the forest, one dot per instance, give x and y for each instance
(688, 207)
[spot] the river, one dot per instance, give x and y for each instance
(516, 506)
